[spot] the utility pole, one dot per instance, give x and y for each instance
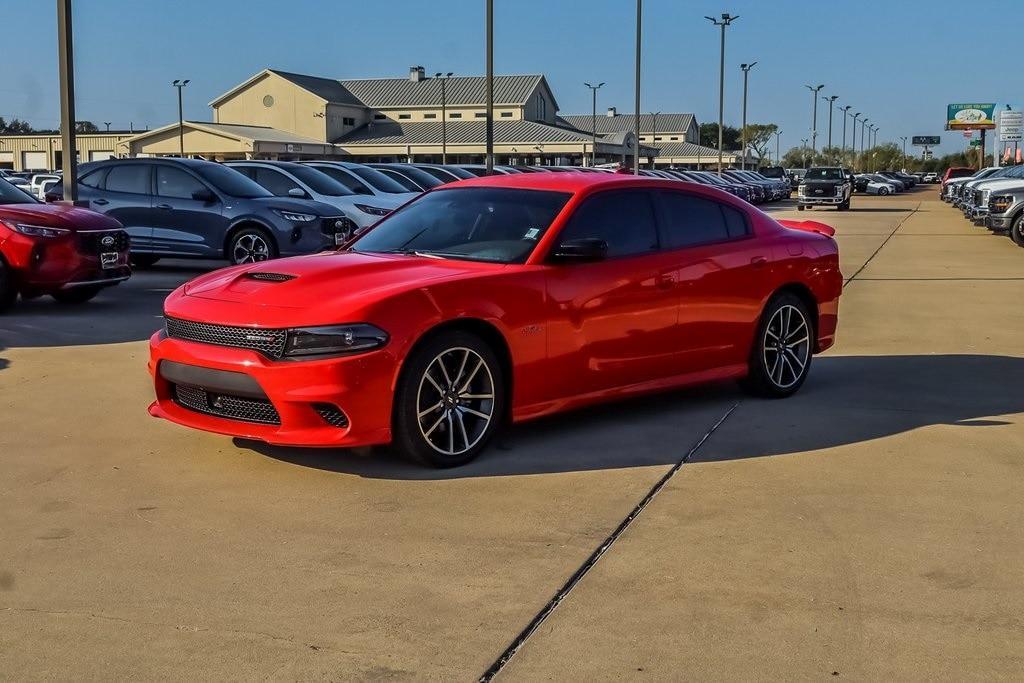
(444, 114)
(831, 99)
(725, 21)
(814, 116)
(743, 131)
(636, 114)
(490, 87)
(181, 120)
(65, 54)
(593, 122)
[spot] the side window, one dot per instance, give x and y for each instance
(276, 183)
(346, 179)
(688, 220)
(132, 178)
(94, 179)
(623, 219)
(173, 182)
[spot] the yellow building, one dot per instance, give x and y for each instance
(44, 152)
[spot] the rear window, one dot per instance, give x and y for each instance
(688, 220)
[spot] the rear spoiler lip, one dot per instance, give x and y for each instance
(809, 226)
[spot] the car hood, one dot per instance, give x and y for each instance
(386, 201)
(64, 216)
(333, 280)
(298, 205)
(999, 184)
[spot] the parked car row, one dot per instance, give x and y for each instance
(992, 197)
(884, 182)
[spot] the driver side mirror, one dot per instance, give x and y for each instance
(584, 250)
(204, 195)
(297, 192)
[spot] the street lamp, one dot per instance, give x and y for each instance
(831, 99)
(743, 131)
(593, 121)
(181, 120)
(846, 111)
(654, 129)
(444, 114)
(904, 139)
(853, 141)
(803, 147)
(107, 124)
(489, 125)
(814, 115)
(636, 87)
(863, 125)
(778, 159)
(725, 21)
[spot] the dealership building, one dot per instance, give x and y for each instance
(281, 115)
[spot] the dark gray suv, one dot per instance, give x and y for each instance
(201, 209)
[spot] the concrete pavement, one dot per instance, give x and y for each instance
(869, 526)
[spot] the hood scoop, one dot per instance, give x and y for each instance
(269, 277)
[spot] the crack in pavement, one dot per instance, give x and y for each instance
(520, 640)
(882, 245)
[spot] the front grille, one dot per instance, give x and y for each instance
(231, 407)
(269, 342)
(331, 414)
(337, 225)
(92, 242)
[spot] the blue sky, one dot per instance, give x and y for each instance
(899, 61)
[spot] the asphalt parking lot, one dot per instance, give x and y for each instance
(870, 527)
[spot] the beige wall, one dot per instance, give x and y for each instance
(468, 113)
(336, 115)
(88, 144)
(196, 142)
(294, 110)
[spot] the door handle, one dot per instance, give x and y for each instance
(665, 281)
(101, 202)
(166, 207)
(759, 261)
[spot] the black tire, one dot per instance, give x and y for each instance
(844, 206)
(1017, 231)
(8, 289)
(251, 245)
(800, 207)
(884, 191)
(456, 406)
(144, 260)
(773, 372)
(77, 295)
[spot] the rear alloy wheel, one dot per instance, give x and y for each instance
(781, 357)
(450, 400)
(77, 295)
(251, 245)
(8, 292)
(884, 191)
(1017, 231)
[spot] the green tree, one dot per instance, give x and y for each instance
(15, 127)
(709, 136)
(86, 127)
(759, 137)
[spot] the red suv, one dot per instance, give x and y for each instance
(57, 249)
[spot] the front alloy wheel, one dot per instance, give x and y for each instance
(1017, 231)
(251, 246)
(781, 357)
(450, 400)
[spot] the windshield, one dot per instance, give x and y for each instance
(499, 225)
(824, 174)
(230, 181)
(378, 180)
(319, 182)
(9, 194)
(419, 175)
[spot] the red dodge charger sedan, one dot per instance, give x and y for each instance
(57, 249)
(496, 299)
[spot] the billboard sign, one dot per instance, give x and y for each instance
(925, 140)
(1011, 125)
(970, 116)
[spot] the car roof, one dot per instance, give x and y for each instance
(565, 182)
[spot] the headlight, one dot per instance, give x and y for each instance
(333, 340)
(38, 230)
(373, 210)
(1000, 203)
(295, 216)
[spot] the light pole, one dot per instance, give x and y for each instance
(444, 114)
(831, 99)
(863, 125)
(814, 115)
(853, 141)
(846, 111)
(654, 129)
(593, 122)
(107, 124)
(636, 108)
(743, 131)
(725, 21)
(778, 159)
(65, 56)
(904, 139)
(489, 135)
(803, 147)
(181, 119)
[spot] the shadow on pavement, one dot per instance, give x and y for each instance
(846, 400)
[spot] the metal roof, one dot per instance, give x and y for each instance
(254, 133)
(460, 132)
(383, 93)
(327, 88)
(667, 123)
(689, 149)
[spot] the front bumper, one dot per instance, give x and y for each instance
(1001, 221)
(360, 387)
(819, 200)
(47, 265)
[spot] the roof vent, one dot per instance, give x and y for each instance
(270, 277)
(612, 112)
(416, 74)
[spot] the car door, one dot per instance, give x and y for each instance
(127, 195)
(719, 266)
(187, 214)
(613, 322)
